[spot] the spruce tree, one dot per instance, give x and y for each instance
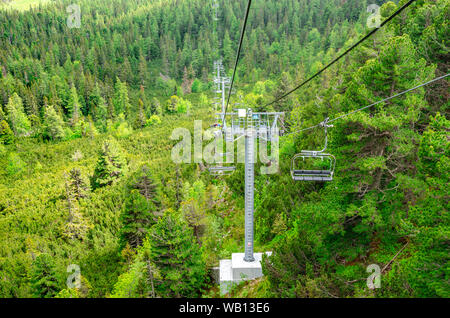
(73, 106)
(43, 279)
(76, 226)
(142, 207)
(78, 184)
(6, 134)
(172, 249)
(142, 70)
(111, 111)
(141, 120)
(18, 121)
(101, 114)
(53, 124)
(283, 88)
(121, 100)
(155, 107)
(186, 86)
(193, 207)
(111, 165)
(94, 101)
(2, 114)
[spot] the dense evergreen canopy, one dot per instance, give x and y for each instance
(86, 115)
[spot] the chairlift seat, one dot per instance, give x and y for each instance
(313, 172)
(312, 175)
(221, 170)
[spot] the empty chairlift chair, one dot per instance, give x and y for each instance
(327, 161)
(221, 169)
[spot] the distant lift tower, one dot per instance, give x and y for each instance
(221, 84)
(215, 6)
(252, 126)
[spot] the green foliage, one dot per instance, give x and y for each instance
(43, 277)
(141, 208)
(6, 134)
(15, 164)
(172, 104)
(434, 149)
(171, 248)
(388, 204)
(73, 106)
(121, 99)
(121, 128)
(111, 165)
(131, 283)
(101, 114)
(17, 118)
(78, 184)
(194, 205)
(68, 293)
(153, 120)
(197, 86)
(54, 125)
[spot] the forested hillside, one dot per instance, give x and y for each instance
(86, 116)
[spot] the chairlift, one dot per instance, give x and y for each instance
(221, 169)
(327, 160)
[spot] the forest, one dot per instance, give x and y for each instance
(87, 180)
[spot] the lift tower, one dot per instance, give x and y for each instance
(252, 126)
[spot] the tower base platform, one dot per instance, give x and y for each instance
(233, 271)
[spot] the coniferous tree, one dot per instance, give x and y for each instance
(6, 134)
(78, 184)
(76, 226)
(282, 88)
(111, 111)
(18, 121)
(227, 51)
(101, 114)
(142, 71)
(193, 207)
(111, 165)
(155, 107)
(177, 258)
(94, 102)
(141, 120)
(188, 79)
(121, 99)
(43, 277)
(2, 114)
(142, 207)
(131, 284)
(53, 124)
(73, 106)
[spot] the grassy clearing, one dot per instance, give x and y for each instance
(21, 5)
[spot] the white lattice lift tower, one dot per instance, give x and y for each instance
(221, 85)
(252, 126)
(215, 6)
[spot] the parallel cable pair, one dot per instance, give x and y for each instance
(371, 105)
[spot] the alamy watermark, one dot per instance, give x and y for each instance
(374, 280)
(74, 19)
(74, 279)
(374, 20)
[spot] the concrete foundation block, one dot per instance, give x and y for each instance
(236, 270)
